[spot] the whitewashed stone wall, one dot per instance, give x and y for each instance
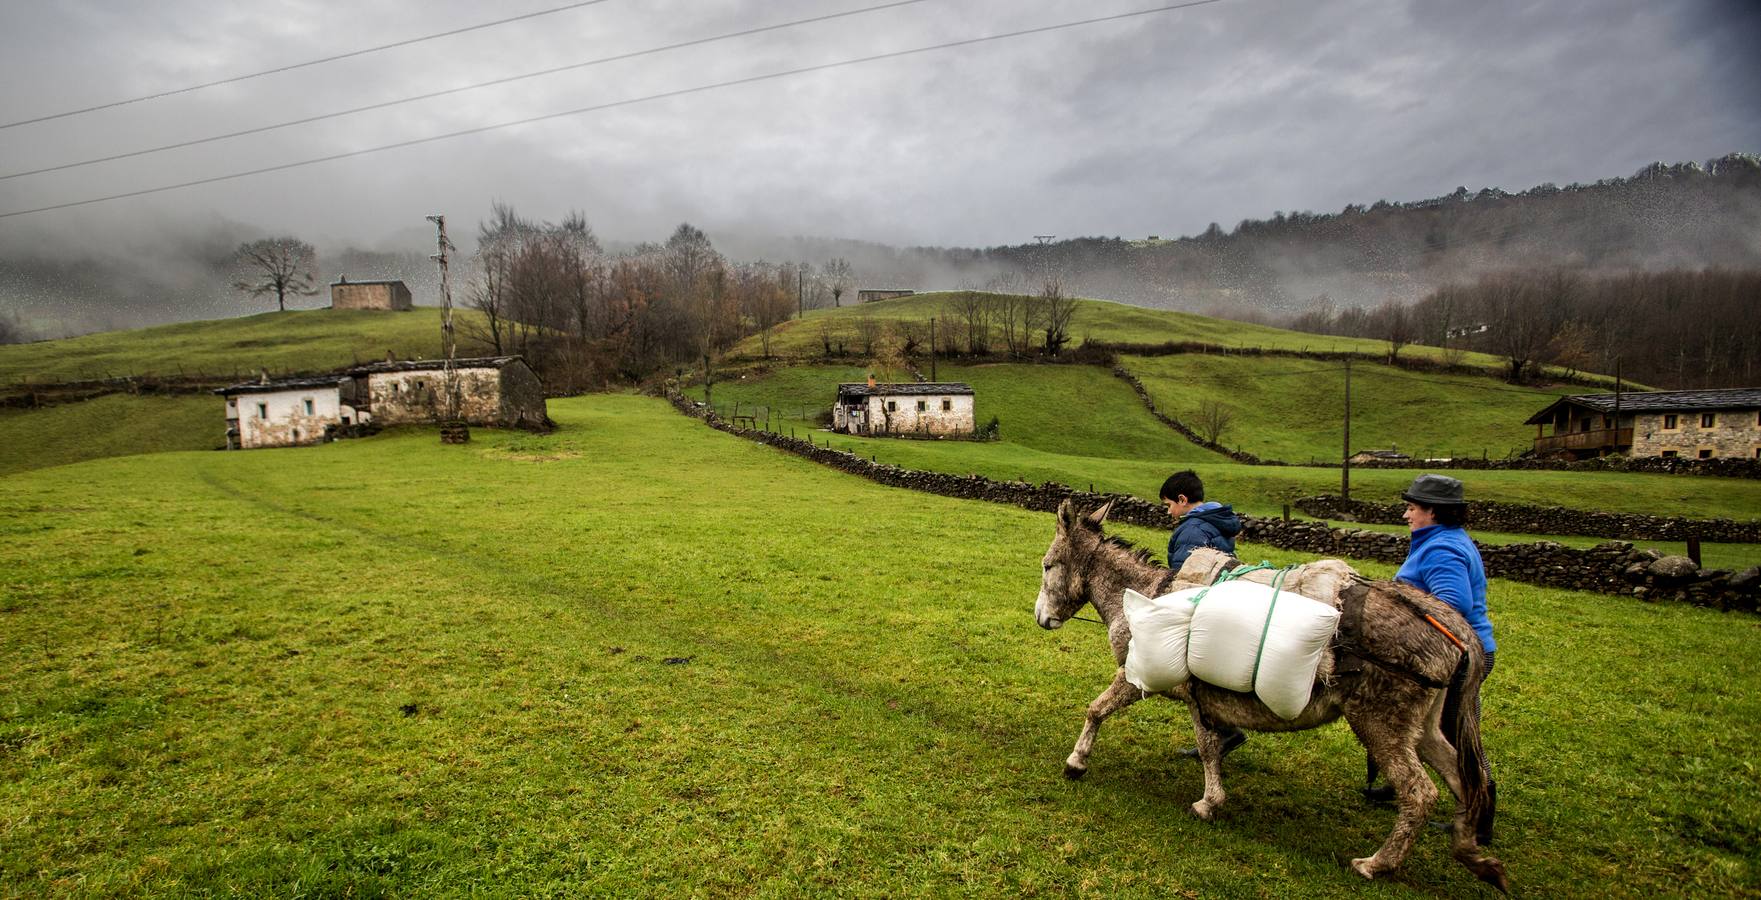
(281, 419)
(904, 416)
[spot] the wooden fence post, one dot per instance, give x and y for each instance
(1694, 548)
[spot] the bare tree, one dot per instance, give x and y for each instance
(1057, 311)
(868, 331)
(11, 330)
(279, 266)
(1212, 420)
(838, 277)
(1393, 322)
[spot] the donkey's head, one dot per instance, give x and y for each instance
(1063, 589)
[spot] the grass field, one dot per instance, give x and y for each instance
(1291, 409)
(295, 341)
(641, 657)
(1080, 410)
(1101, 320)
(1090, 428)
(113, 425)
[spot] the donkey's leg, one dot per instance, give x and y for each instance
(1210, 755)
(1393, 744)
(1117, 696)
(1438, 753)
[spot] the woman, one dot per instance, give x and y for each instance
(1444, 563)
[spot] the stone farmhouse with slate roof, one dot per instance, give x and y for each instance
(287, 412)
(926, 408)
(1709, 424)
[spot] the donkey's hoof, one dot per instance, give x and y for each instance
(1204, 810)
(1364, 866)
(1074, 772)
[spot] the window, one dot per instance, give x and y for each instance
(262, 410)
(1668, 454)
(922, 405)
(1705, 454)
(1707, 420)
(892, 406)
(308, 407)
(1669, 422)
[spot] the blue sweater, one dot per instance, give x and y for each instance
(1212, 525)
(1445, 563)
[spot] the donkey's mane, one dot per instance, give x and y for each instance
(1137, 553)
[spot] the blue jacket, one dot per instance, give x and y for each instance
(1212, 525)
(1445, 563)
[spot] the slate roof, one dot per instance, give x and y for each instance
(905, 389)
(282, 384)
(368, 281)
(1657, 401)
(419, 365)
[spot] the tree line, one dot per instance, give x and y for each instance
(1680, 328)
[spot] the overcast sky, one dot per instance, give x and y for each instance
(1152, 125)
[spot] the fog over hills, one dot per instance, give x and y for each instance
(1686, 215)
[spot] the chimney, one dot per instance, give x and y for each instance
(871, 381)
(390, 356)
(262, 376)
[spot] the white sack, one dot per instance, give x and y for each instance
(1156, 657)
(1224, 643)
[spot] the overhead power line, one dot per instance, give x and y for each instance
(459, 90)
(300, 65)
(751, 79)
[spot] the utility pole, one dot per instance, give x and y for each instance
(452, 431)
(801, 291)
(1045, 261)
(932, 348)
(1345, 461)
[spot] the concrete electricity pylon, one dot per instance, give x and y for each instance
(452, 431)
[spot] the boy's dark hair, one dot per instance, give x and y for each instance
(1450, 514)
(1184, 482)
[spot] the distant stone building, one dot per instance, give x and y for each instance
(1374, 456)
(493, 390)
(285, 412)
(873, 294)
(1710, 424)
(346, 294)
(929, 408)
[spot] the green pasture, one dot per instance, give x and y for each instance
(1080, 410)
(1293, 409)
(112, 425)
(1101, 320)
(640, 657)
(295, 341)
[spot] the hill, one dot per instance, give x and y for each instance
(688, 664)
(113, 425)
(1097, 320)
(294, 341)
(1292, 409)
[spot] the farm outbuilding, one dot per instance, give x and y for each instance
(1709, 424)
(387, 294)
(493, 391)
(925, 408)
(285, 412)
(872, 294)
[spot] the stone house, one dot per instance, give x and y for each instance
(928, 408)
(1708, 424)
(346, 294)
(286, 412)
(872, 294)
(493, 391)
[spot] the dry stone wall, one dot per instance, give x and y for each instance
(1523, 518)
(1613, 567)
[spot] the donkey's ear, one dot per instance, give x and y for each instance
(1067, 516)
(1095, 518)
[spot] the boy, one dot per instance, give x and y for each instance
(1199, 523)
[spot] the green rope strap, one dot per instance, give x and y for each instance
(1231, 575)
(1260, 651)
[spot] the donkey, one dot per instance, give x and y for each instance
(1395, 677)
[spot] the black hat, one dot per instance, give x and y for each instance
(1434, 490)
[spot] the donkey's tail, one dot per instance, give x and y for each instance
(1461, 724)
